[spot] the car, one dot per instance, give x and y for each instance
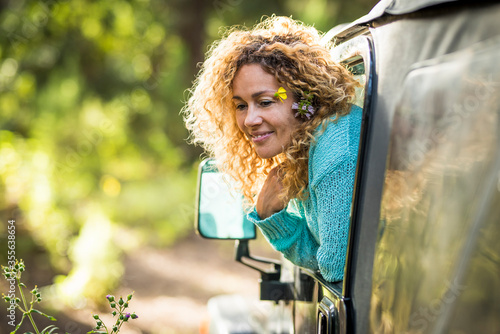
(423, 251)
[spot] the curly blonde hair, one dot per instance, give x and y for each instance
(293, 53)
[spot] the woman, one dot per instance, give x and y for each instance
(274, 109)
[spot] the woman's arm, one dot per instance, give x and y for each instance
(288, 233)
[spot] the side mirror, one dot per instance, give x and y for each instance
(219, 208)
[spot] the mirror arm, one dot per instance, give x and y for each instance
(243, 252)
(271, 288)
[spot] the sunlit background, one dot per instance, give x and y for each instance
(94, 164)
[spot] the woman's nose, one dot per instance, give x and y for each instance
(253, 117)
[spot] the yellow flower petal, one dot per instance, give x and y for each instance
(281, 94)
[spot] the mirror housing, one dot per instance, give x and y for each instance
(219, 208)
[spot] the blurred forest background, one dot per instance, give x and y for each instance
(94, 163)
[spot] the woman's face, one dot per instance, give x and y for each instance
(265, 120)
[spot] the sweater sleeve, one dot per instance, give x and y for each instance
(333, 206)
(288, 233)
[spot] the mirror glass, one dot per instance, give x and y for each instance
(220, 212)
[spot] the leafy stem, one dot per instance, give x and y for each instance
(118, 308)
(30, 310)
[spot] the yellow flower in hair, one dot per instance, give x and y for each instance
(281, 94)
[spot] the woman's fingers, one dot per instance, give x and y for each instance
(268, 201)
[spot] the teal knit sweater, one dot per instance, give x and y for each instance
(313, 233)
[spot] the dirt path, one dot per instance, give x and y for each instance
(173, 286)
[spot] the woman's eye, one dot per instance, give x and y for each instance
(240, 106)
(266, 103)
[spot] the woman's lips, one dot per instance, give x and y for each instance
(258, 138)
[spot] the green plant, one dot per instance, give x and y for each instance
(119, 308)
(13, 275)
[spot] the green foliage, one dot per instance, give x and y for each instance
(118, 312)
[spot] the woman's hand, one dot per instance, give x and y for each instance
(268, 202)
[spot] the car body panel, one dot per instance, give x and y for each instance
(400, 45)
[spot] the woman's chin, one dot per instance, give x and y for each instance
(266, 154)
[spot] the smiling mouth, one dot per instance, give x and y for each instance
(261, 137)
